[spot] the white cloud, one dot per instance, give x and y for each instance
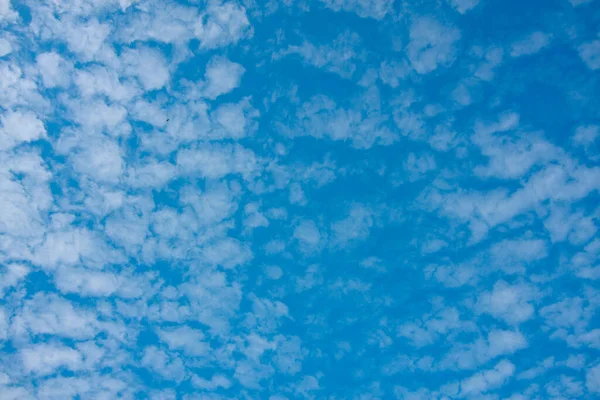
(93, 283)
(363, 124)
(444, 322)
(151, 174)
(221, 77)
(159, 362)
(18, 89)
(101, 160)
(44, 359)
(561, 224)
(507, 302)
(592, 379)
(215, 382)
(376, 9)
(576, 3)
(11, 275)
(54, 69)
(52, 315)
(531, 44)
(5, 47)
(191, 341)
(7, 14)
(24, 201)
(149, 66)
(85, 39)
(355, 226)
(337, 58)
(590, 54)
(97, 80)
(585, 135)
(462, 6)
(487, 380)
(472, 355)
(214, 161)
(227, 253)
(20, 127)
(511, 155)
(419, 165)
(432, 45)
(72, 246)
(233, 121)
(222, 23)
(308, 236)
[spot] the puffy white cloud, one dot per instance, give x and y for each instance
(233, 121)
(44, 359)
(214, 161)
(363, 124)
(472, 355)
(585, 135)
(376, 9)
(98, 80)
(159, 362)
(190, 341)
(101, 160)
(337, 58)
(508, 302)
(216, 381)
(443, 322)
(592, 379)
(54, 69)
(462, 6)
(221, 77)
(20, 127)
(531, 44)
(590, 54)
(52, 315)
(309, 236)
(11, 275)
(7, 13)
(487, 380)
(563, 224)
(432, 45)
(5, 47)
(86, 38)
(222, 23)
(148, 66)
(354, 227)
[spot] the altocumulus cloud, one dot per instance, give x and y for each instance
(332, 199)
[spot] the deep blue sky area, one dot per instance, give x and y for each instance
(326, 199)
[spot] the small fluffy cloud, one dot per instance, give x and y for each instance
(221, 24)
(148, 66)
(592, 379)
(338, 57)
(221, 77)
(531, 44)
(20, 127)
(7, 13)
(214, 161)
(508, 302)
(590, 54)
(462, 6)
(432, 45)
(376, 9)
(54, 69)
(487, 380)
(308, 235)
(43, 359)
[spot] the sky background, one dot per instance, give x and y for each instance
(326, 199)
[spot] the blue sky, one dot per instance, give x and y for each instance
(327, 199)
